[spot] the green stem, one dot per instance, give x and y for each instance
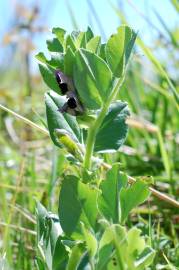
(95, 127)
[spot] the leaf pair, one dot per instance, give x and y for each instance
(117, 200)
(113, 200)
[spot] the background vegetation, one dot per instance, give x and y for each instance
(27, 156)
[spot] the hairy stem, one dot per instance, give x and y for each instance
(117, 83)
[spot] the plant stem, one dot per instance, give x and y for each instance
(92, 265)
(117, 83)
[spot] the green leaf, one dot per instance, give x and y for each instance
(38, 263)
(113, 232)
(48, 234)
(56, 61)
(54, 45)
(84, 263)
(60, 34)
(75, 257)
(86, 120)
(104, 256)
(49, 77)
(41, 57)
(138, 256)
(90, 240)
(92, 79)
(60, 255)
(108, 200)
(132, 197)
(129, 249)
(69, 60)
(77, 204)
(102, 52)
(119, 48)
(136, 243)
(113, 131)
(94, 44)
(89, 34)
(57, 120)
(145, 258)
(123, 180)
(116, 235)
(80, 41)
(88, 197)
(70, 43)
(49, 239)
(41, 213)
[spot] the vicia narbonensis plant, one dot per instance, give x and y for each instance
(85, 119)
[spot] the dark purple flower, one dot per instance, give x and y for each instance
(61, 82)
(72, 104)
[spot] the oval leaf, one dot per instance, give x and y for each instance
(94, 44)
(119, 48)
(108, 200)
(113, 130)
(132, 197)
(92, 79)
(77, 204)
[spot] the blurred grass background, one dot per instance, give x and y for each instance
(30, 166)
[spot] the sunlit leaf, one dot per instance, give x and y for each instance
(91, 241)
(69, 60)
(94, 44)
(145, 258)
(75, 257)
(132, 196)
(60, 34)
(92, 78)
(108, 200)
(54, 45)
(69, 43)
(119, 48)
